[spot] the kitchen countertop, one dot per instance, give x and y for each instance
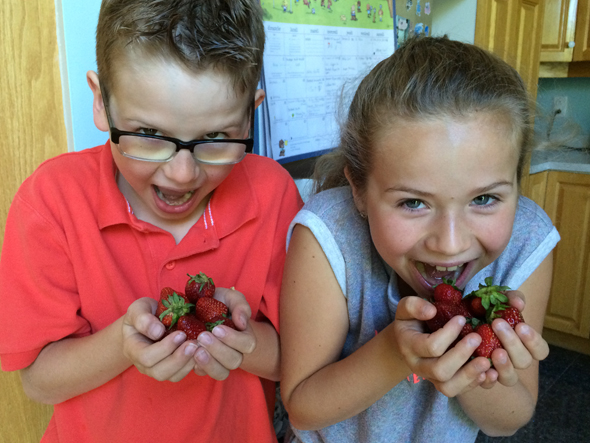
(561, 159)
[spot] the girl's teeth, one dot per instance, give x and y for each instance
(442, 268)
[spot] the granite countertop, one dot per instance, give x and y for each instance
(561, 159)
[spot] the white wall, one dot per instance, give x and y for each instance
(76, 27)
(456, 18)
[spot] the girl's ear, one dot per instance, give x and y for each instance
(98, 111)
(359, 201)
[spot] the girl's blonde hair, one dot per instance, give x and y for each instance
(427, 77)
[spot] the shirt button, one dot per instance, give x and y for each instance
(170, 265)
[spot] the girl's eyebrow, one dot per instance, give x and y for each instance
(420, 193)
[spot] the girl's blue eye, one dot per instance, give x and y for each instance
(483, 200)
(412, 204)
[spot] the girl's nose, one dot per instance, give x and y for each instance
(183, 168)
(449, 235)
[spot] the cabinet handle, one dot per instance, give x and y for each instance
(571, 44)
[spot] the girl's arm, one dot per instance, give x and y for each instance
(510, 404)
(317, 389)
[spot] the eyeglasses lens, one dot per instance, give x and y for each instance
(162, 150)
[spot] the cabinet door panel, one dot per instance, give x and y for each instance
(582, 48)
(568, 205)
(559, 27)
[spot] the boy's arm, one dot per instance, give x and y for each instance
(502, 410)
(73, 366)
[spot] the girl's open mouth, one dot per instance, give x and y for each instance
(434, 274)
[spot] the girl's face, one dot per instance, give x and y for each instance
(441, 198)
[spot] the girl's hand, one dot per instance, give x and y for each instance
(222, 350)
(522, 346)
(169, 359)
(429, 356)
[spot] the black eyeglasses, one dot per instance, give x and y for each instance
(157, 148)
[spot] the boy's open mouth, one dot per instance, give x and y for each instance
(434, 274)
(173, 199)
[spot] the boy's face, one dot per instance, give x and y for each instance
(162, 98)
(441, 198)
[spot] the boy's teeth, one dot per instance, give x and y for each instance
(174, 200)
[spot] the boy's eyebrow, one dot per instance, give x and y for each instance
(420, 193)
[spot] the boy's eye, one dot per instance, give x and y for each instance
(148, 131)
(483, 200)
(214, 135)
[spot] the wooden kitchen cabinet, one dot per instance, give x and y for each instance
(559, 31)
(565, 48)
(512, 29)
(567, 201)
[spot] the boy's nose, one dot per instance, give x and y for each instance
(183, 168)
(449, 236)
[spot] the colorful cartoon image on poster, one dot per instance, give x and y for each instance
(402, 28)
(372, 14)
(313, 49)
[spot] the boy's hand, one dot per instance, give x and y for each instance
(169, 359)
(222, 350)
(427, 355)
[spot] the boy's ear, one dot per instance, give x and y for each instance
(359, 201)
(100, 116)
(259, 97)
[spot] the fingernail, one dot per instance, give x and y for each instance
(202, 356)
(462, 321)
(218, 332)
(180, 337)
(473, 342)
(156, 331)
(205, 339)
(243, 319)
(502, 359)
(190, 349)
(525, 329)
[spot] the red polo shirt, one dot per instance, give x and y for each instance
(75, 257)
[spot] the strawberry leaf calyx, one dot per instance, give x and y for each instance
(176, 306)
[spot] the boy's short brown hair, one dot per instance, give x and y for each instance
(226, 35)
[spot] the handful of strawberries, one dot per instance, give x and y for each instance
(479, 308)
(193, 311)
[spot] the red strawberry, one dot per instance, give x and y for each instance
(208, 309)
(469, 326)
(172, 307)
(445, 312)
(490, 295)
(489, 341)
(223, 320)
(191, 326)
(199, 286)
(474, 306)
(446, 292)
(511, 315)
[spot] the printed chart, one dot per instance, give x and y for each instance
(309, 68)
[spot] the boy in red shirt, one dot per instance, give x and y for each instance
(93, 236)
